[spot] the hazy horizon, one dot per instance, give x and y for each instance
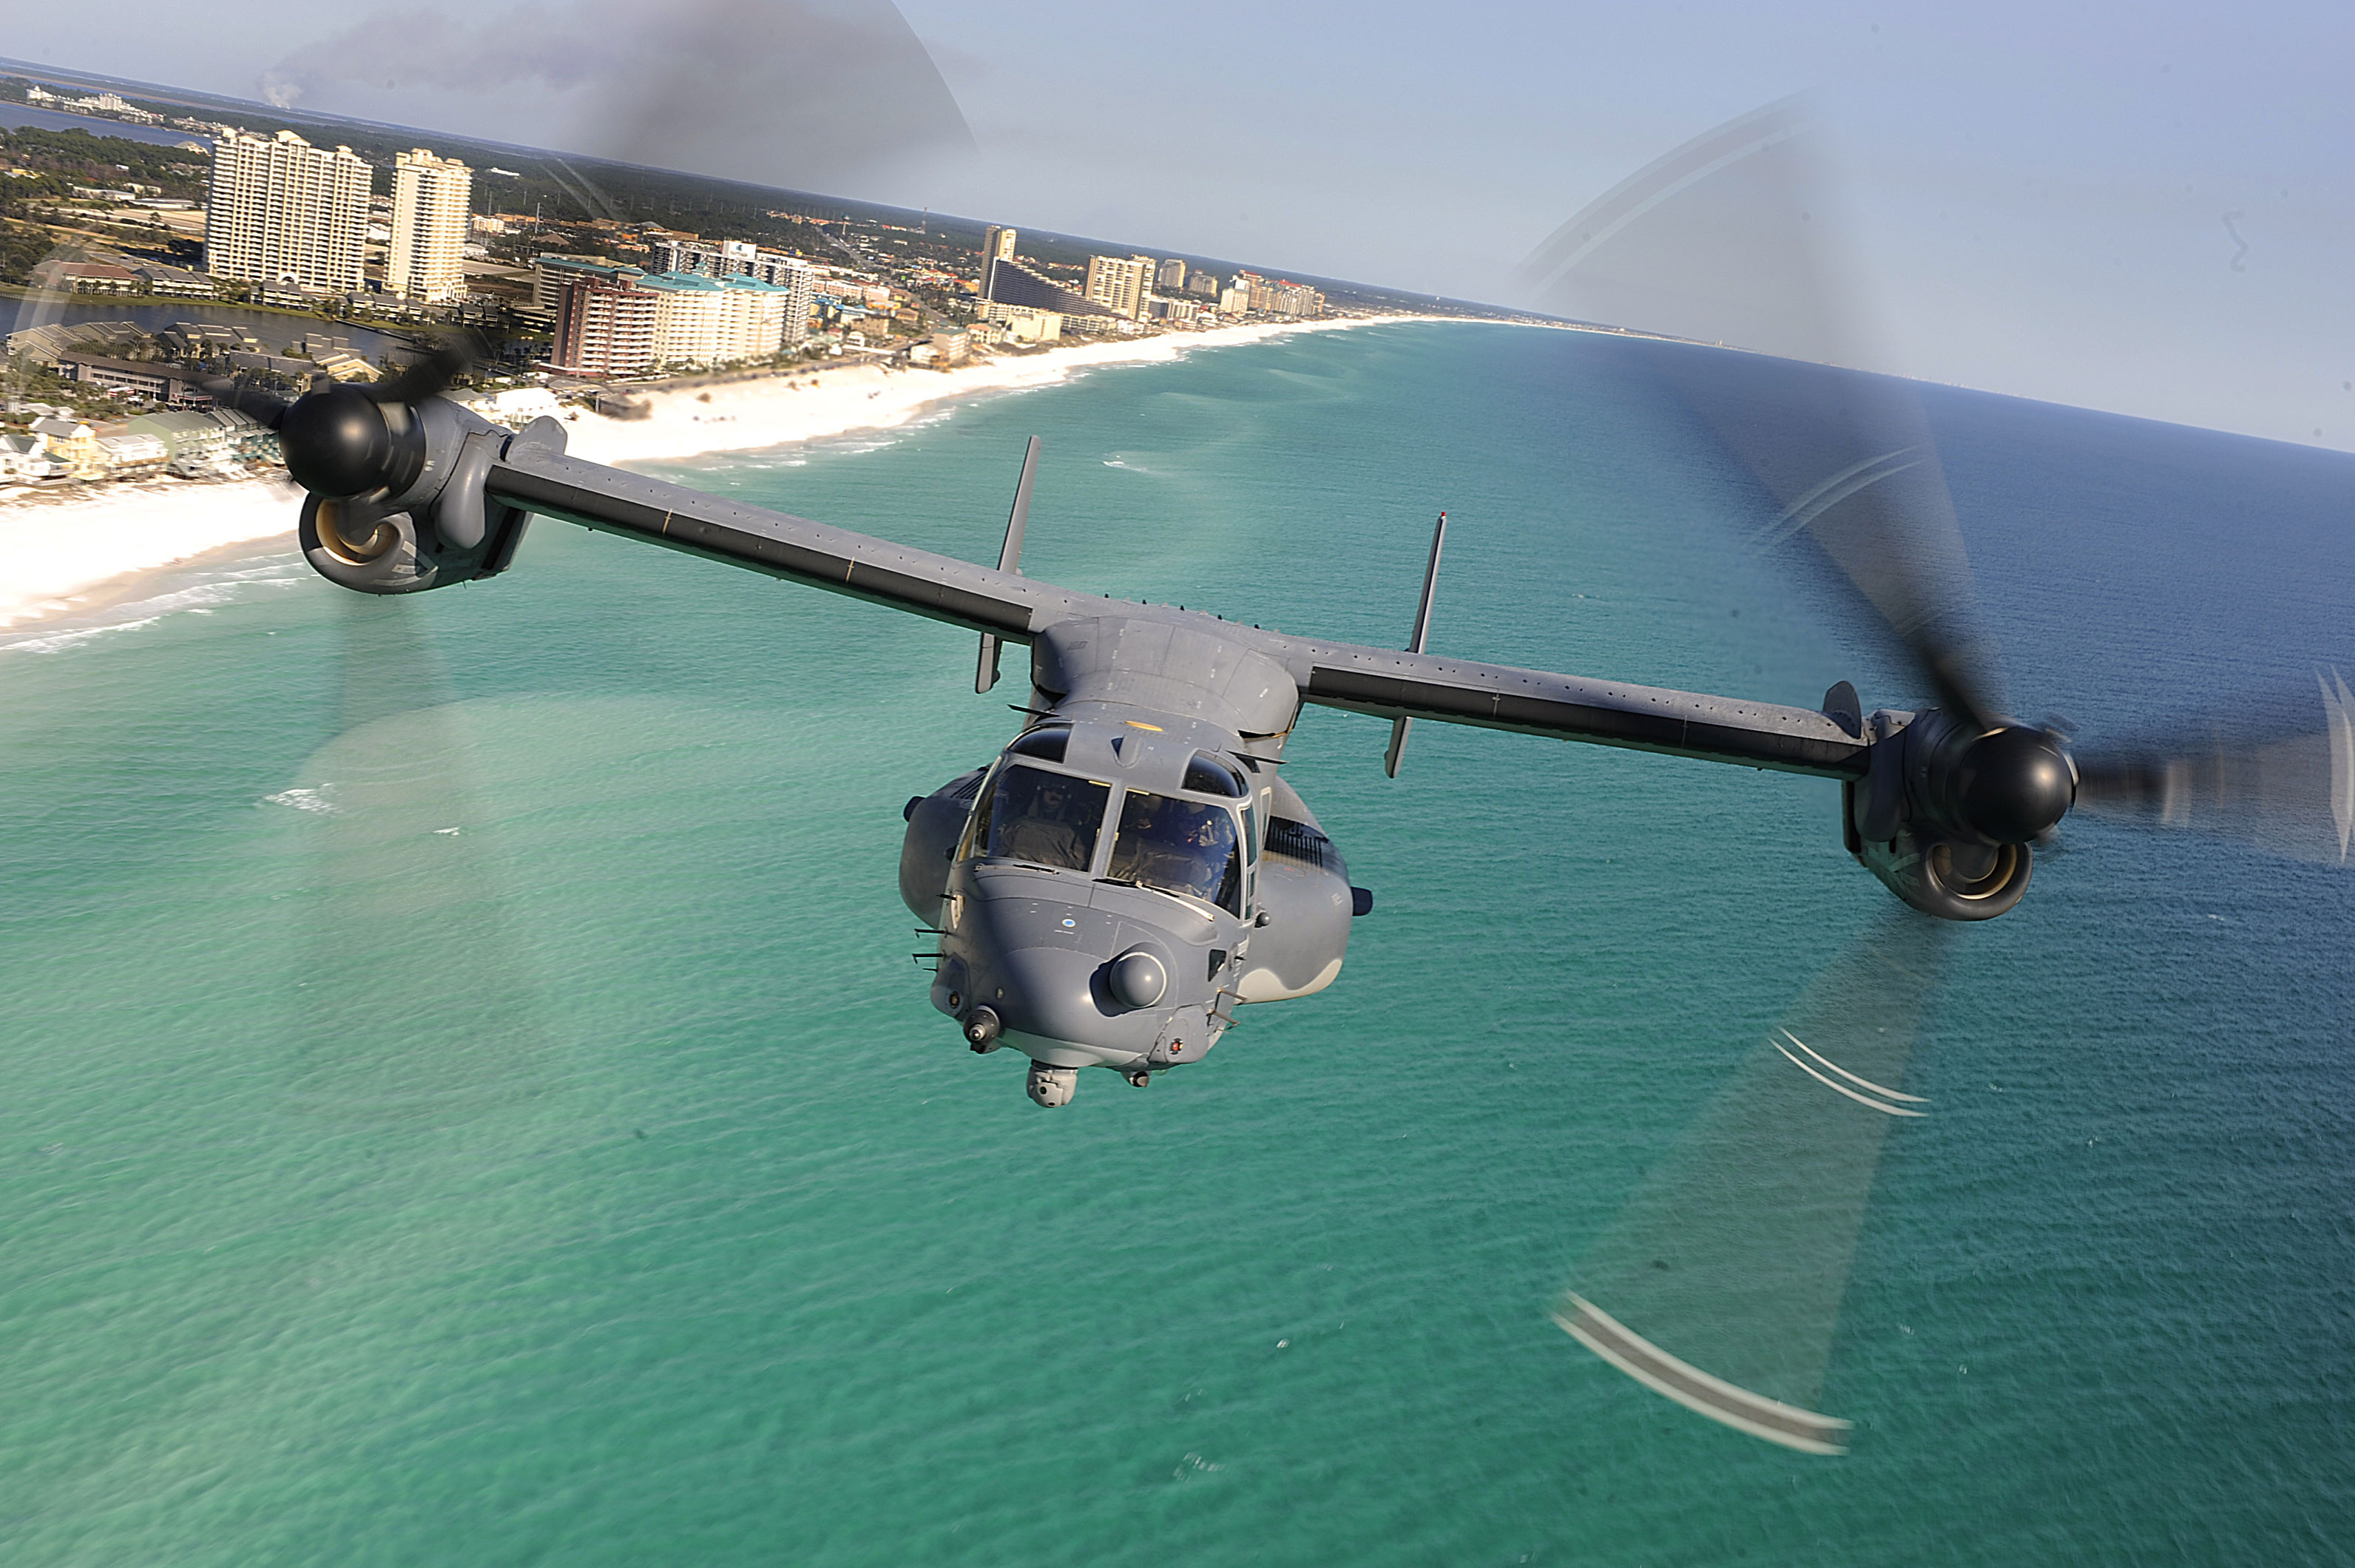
(2140, 212)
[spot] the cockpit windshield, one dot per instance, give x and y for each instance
(1179, 847)
(1048, 819)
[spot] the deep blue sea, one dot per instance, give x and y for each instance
(592, 1184)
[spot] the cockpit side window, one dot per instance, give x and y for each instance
(1213, 775)
(1048, 742)
(1048, 819)
(1179, 847)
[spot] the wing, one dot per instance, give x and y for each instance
(457, 512)
(536, 478)
(1389, 684)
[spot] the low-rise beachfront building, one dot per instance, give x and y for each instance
(132, 456)
(250, 439)
(198, 443)
(72, 444)
(1023, 323)
(24, 457)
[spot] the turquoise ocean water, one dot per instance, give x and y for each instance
(592, 1184)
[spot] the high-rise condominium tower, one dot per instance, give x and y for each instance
(429, 195)
(996, 245)
(283, 212)
(1121, 287)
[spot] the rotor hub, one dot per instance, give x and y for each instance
(2014, 783)
(340, 442)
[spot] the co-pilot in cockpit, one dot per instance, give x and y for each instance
(1177, 846)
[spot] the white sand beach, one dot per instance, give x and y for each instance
(62, 554)
(59, 554)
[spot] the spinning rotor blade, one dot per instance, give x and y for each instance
(452, 355)
(262, 405)
(2291, 792)
(421, 1003)
(1720, 1286)
(1734, 239)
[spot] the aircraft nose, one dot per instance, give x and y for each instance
(1041, 963)
(1046, 993)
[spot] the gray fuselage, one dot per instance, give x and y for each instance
(1130, 867)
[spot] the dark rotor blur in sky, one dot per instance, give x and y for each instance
(2140, 207)
(831, 95)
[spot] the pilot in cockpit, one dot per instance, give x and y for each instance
(1043, 834)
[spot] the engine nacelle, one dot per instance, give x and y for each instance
(936, 823)
(1953, 881)
(1307, 904)
(431, 522)
(1945, 813)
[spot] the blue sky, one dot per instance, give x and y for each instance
(2049, 200)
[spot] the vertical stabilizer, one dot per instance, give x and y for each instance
(1399, 727)
(985, 675)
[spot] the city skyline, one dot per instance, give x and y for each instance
(2048, 202)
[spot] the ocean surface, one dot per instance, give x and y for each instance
(465, 1096)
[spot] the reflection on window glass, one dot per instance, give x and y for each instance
(1048, 742)
(1048, 819)
(1179, 847)
(1212, 775)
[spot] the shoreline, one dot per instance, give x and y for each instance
(63, 556)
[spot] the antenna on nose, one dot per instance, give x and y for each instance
(985, 675)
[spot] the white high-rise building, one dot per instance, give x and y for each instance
(283, 212)
(727, 258)
(429, 199)
(702, 320)
(1121, 287)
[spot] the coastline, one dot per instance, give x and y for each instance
(63, 556)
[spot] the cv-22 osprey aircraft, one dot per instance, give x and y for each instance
(1133, 866)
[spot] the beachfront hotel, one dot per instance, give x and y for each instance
(725, 258)
(283, 212)
(619, 321)
(1121, 287)
(429, 199)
